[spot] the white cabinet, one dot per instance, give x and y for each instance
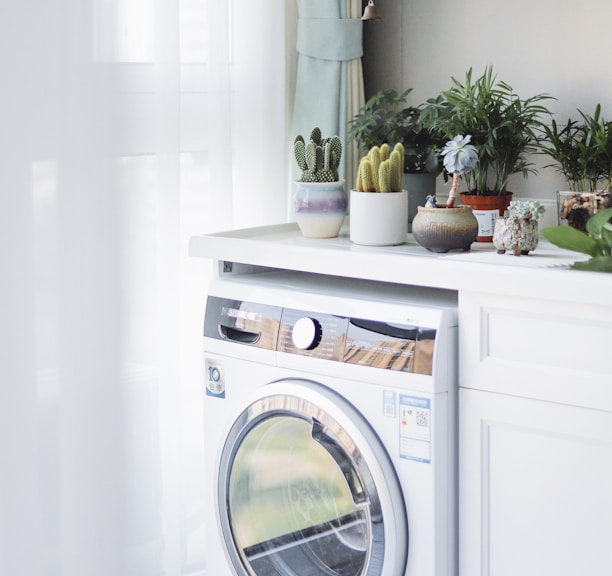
(535, 438)
(535, 488)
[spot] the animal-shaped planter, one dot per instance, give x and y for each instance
(517, 234)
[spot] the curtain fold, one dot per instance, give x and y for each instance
(127, 128)
(355, 99)
(330, 46)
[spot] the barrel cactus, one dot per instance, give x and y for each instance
(381, 170)
(319, 158)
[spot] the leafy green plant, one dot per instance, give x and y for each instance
(381, 169)
(502, 125)
(387, 118)
(319, 158)
(596, 243)
(582, 151)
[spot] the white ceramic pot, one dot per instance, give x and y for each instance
(379, 218)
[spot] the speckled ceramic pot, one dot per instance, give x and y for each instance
(320, 208)
(445, 229)
(516, 234)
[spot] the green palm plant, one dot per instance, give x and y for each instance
(503, 127)
(581, 150)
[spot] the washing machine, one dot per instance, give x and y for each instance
(330, 427)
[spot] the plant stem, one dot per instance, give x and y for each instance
(454, 191)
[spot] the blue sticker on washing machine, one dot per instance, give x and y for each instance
(415, 428)
(215, 380)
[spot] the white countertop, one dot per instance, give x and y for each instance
(544, 273)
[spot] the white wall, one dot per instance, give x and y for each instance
(560, 47)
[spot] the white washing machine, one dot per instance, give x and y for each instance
(330, 427)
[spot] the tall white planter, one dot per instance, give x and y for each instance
(378, 218)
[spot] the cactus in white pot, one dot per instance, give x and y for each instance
(381, 170)
(379, 206)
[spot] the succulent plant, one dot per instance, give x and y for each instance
(318, 159)
(526, 209)
(460, 157)
(381, 170)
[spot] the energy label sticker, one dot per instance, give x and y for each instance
(215, 381)
(415, 428)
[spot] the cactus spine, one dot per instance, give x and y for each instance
(381, 170)
(319, 159)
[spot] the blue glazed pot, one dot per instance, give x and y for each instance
(320, 208)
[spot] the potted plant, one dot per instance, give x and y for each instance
(596, 242)
(518, 231)
(582, 152)
(503, 129)
(379, 205)
(446, 228)
(320, 200)
(387, 118)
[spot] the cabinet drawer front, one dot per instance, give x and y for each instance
(547, 350)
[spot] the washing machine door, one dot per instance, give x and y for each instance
(305, 488)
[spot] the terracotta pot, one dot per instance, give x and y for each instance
(487, 208)
(379, 218)
(445, 229)
(320, 208)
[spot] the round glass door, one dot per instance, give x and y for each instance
(296, 497)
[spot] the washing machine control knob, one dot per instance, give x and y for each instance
(306, 333)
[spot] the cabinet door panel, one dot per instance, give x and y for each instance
(536, 349)
(535, 487)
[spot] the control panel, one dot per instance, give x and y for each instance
(389, 346)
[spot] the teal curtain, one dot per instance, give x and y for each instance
(326, 42)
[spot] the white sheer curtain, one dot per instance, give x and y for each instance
(108, 162)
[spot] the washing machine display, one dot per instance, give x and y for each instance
(319, 459)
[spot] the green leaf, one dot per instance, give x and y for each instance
(596, 222)
(597, 264)
(571, 239)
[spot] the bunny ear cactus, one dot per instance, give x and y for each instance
(381, 171)
(319, 159)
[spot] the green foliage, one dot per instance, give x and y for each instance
(318, 159)
(502, 125)
(597, 243)
(582, 151)
(381, 170)
(386, 118)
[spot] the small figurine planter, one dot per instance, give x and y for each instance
(518, 233)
